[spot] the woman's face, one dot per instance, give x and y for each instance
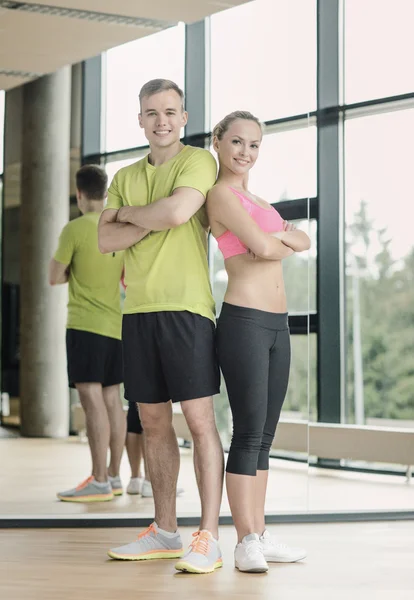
(239, 147)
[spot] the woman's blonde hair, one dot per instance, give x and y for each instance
(221, 127)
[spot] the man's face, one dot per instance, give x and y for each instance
(162, 118)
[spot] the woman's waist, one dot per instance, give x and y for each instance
(267, 296)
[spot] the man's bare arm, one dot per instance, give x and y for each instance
(165, 213)
(114, 236)
(58, 272)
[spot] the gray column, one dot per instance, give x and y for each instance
(330, 221)
(44, 212)
(196, 51)
(92, 109)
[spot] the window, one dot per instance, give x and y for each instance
(128, 67)
(263, 59)
(378, 49)
(298, 405)
(379, 188)
(286, 168)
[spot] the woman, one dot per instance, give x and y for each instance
(252, 332)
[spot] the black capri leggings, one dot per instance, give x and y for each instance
(254, 353)
(133, 420)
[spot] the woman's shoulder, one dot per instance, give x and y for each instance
(219, 190)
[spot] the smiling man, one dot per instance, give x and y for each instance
(155, 212)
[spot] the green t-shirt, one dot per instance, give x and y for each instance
(94, 292)
(167, 270)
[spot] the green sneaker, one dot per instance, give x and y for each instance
(150, 544)
(88, 491)
(203, 556)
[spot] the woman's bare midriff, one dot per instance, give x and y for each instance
(255, 283)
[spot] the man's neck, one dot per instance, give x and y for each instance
(159, 156)
(92, 206)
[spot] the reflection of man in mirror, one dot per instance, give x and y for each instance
(156, 213)
(93, 335)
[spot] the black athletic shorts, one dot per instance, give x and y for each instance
(133, 420)
(169, 355)
(93, 358)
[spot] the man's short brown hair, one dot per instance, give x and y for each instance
(92, 182)
(155, 86)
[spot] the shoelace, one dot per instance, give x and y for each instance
(147, 531)
(201, 542)
(253, 549)
(84, 483)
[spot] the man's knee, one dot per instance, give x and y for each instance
(155, 418)
(90, 396)
(199, 415)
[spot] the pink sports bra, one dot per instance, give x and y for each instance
(268, 220)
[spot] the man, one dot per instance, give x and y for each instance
(94, 349)
(155, 212)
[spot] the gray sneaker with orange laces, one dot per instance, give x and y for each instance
(150, 544)
(203, 556)
(89, 490)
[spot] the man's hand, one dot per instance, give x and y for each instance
(121, 216)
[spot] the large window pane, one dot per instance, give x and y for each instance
(379, 47)
(302, 377)
(128, 67)
(263, 59)
(379, 188)
(286, 168)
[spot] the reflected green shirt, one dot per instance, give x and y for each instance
(167, 270)
(94, 292)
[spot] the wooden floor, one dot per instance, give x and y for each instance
(357, 561)
(33, 470)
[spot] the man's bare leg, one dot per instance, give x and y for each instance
(163, 461)
(135, 450)
(208, 459)
(117, 425)
(97, 426)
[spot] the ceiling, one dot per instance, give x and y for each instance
(37, 37)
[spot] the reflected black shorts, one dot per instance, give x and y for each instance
(169, 356)
(93, 358)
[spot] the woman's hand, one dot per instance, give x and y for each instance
(288, 226)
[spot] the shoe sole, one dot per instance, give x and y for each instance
(153, 556)
(253, 570)
(284, 560)
(187, 567)
(118, 492)
(98, 498)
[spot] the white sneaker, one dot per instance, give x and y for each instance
(146, 491)
(276, 552)
(135, 485)
(248, 555)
